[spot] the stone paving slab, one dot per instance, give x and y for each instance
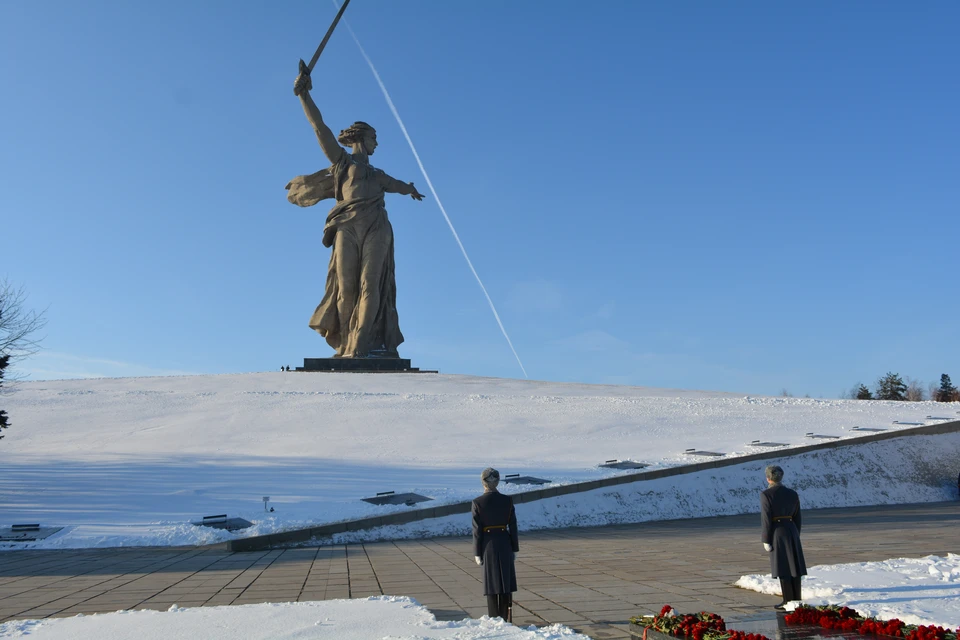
(591, 579)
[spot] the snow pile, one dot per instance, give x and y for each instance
(915, 590)
(131, 461)
(388, 617)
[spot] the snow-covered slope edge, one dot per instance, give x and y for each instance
(897, 471)
(133, 461)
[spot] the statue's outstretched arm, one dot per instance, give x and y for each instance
(392, 185)
(328, 141)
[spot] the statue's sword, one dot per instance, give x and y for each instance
(323, 43)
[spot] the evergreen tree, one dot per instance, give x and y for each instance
(891, 387)
(947, 391)
(4, 423)
(863, 393)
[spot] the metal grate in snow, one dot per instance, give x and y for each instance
(820, 436)
(516, 478)
(221, 521)
(623, 464)
(710, 454)
(389, 497)
(26, 532)
(757, 443)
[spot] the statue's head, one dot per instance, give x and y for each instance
(359, 133)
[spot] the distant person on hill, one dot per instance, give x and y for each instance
(495, 545)
(780, 534)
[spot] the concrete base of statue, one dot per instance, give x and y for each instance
(360, 365)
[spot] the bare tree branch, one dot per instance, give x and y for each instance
(18, 324)
(915, 392)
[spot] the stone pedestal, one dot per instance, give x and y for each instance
(360, 365)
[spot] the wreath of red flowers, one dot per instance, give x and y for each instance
(693, 626)
(847, 619)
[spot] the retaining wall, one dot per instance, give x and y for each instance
(405, 517)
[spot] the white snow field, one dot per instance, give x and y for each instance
(915, 590)
(387, 617)
(131, 461)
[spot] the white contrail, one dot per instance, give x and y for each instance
(406, 135)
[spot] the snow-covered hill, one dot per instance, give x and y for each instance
(133, 460)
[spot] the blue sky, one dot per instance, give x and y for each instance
(729, 196)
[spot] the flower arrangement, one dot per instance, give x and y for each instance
(694, 626)
(847, 619)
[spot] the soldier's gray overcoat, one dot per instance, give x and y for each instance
(496, 547)
(780, 528)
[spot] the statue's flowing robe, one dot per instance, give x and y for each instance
(361, 270)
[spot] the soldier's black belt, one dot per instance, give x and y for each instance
(498, 527)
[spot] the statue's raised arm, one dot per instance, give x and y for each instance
(328, 141)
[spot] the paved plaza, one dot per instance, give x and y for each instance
(592, 579)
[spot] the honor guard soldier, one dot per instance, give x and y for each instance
(495, 545)
(780, 534)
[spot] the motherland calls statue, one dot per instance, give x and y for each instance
(358, 313)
